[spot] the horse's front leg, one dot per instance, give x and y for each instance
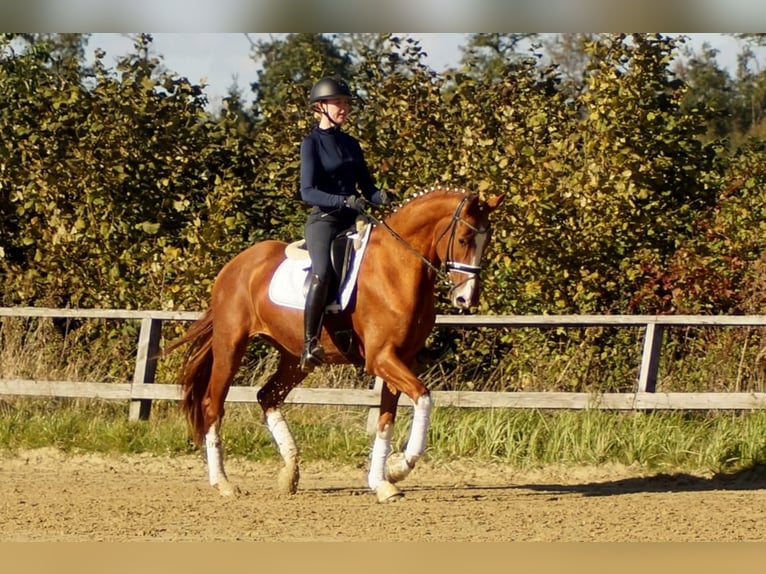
(397, 466)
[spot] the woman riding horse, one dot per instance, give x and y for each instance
(332, 168)
(439, 234)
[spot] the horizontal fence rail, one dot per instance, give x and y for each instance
(141, 391)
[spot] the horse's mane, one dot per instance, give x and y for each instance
(428, 193)
(434, 189)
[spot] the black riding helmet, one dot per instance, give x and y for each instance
(328, 88)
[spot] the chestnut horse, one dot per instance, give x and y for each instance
(440, 232)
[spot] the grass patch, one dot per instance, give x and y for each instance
(717, 442)
(663, 441)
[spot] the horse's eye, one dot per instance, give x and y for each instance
(463, 241)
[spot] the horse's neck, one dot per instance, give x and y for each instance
(406, 273)
(422, 228)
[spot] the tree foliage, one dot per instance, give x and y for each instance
(119, 189)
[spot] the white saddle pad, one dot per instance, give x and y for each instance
(286, 287)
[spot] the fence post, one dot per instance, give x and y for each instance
(372, 416)
(650, 358)
(146, 365)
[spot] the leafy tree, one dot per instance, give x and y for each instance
(722, 267)
(118, 188)
(735, 103)
(612, 181)
(490, 53)
(755, 38)
(710, 88)
(112, 187)
(569, 53)
(291, 65)
(751, 83)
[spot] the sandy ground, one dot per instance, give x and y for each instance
(51, 496)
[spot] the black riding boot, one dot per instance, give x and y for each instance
(316, 302)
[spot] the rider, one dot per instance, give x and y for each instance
(332, 168)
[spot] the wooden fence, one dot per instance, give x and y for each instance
(141, 392)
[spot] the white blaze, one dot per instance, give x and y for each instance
(462, 294)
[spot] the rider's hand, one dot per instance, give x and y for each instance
(386, 197)
(356, 203)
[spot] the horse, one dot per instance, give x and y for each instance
(438, 233)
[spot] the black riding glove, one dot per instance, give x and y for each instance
(386, 197)
(358, 204)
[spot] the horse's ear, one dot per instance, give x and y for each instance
(495, 200)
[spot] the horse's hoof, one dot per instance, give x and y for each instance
(397, 468)
(288, 478)
(387, 492)
(225, 488)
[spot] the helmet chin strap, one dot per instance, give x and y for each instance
(332, 121)
(325, 114)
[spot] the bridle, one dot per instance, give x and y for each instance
(470, 270)
(452, 228)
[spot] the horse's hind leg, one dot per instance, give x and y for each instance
(270, 397)
(227, 358)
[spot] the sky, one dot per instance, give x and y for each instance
(218, 59)
(200, 38)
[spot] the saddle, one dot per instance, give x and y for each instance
(342, 252)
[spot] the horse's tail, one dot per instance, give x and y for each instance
(194, 375)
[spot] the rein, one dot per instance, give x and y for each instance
(404, 242)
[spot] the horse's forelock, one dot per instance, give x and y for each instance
(479, 209)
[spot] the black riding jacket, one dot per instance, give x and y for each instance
(332, 168)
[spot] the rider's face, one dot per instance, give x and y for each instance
(337, 108)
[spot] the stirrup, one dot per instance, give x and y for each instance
(313, 356)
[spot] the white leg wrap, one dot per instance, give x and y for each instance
(381, 448)
(214, 455)
(421, 418)
(282, 435)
